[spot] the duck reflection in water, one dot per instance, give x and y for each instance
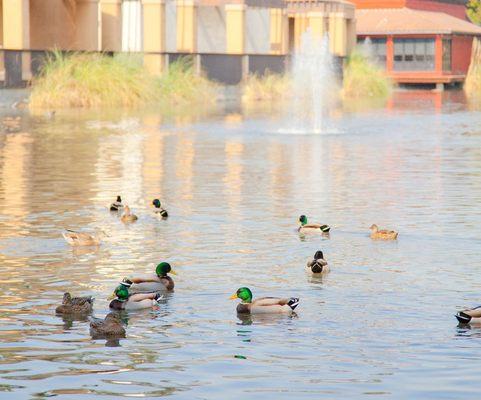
(264, 319)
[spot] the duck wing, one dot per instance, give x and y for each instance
(270, 301)
(80, 301)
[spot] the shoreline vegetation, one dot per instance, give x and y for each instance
(472, 86)
(92, 80)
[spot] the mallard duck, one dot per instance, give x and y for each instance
(382, 234)
(75, 238)
(264, 305)
(472, 316)
(158, 282)
(110, 326)
(127, 215)
(318, 265)
(126, 301)
(308, 228)
(75, 305)
(159, 211)
(117, 204)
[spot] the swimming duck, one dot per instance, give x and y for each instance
(117, 204)
(127, 215)
(472, 316)
(264, 305)
(75, 238)
(110, 326)
(308, 228)
(159, 211)
(318, 265)
(158, 282)
(126, 301)
(382, 234)
(75, 305)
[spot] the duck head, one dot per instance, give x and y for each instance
(121, 293)
(319, 255)
(66, 298)
(163, 269)
(303, 220)
(119, 199)
(244, 294)
(126, 210)
(113, 317)
(156, 203)
(374, 228)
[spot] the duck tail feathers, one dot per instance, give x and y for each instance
(293, 303)
(325, 228)
(463, 318)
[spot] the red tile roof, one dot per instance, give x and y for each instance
(382, 21)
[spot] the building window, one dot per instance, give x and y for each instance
(447, 55)
(413, 54)
(375, 49)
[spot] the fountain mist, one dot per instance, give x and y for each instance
(313, 83)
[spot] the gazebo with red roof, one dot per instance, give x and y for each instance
(418, 41)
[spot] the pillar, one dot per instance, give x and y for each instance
(235, 21)
(300, 26)
(276, 34)
(111, 11)
(316, 24)
(88, 33)
(337, 34)
(16, 24)
(351, 34)
(154, 35)
(389, 54)
(438, 54)
(186, 26)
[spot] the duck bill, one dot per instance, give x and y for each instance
(172, 272)
(112, 296)
(233, 297)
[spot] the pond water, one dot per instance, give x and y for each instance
(380, 325)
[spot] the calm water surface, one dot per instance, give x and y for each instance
(380, 326)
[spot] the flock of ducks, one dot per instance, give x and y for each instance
(145, 291)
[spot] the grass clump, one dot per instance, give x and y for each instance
(267, 87)
(363, 78)
(99, 80)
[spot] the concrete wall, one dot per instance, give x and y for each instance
(51, 25)
(170, 26)
(257, 31)
(461, 47)
(131, 26)
(211, 32)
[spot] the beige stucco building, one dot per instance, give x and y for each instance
(227, 38)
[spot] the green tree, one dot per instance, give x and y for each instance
(473, 10)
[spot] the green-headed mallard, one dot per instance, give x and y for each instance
(158, 210)
(264, 305)
(304, 227)
(318, 265)
(108, 327)
(127, 215)
(125, 301)
(75, 305)
(158, 282)
(471, 316)
(117, 204)
(382, 234)
(75, 238)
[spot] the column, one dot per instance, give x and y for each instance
(154, 35)
(88, 35)
(186, 26)
(277, 21)
(316, 24)
(16, 24)
(111, 11)
(235, 28)
(438, 54)
(389, 55)
(337, 34)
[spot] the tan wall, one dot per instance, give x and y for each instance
(51, 25)
(1, 23)
(87, 25)
(111, 24)
(16, 26)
